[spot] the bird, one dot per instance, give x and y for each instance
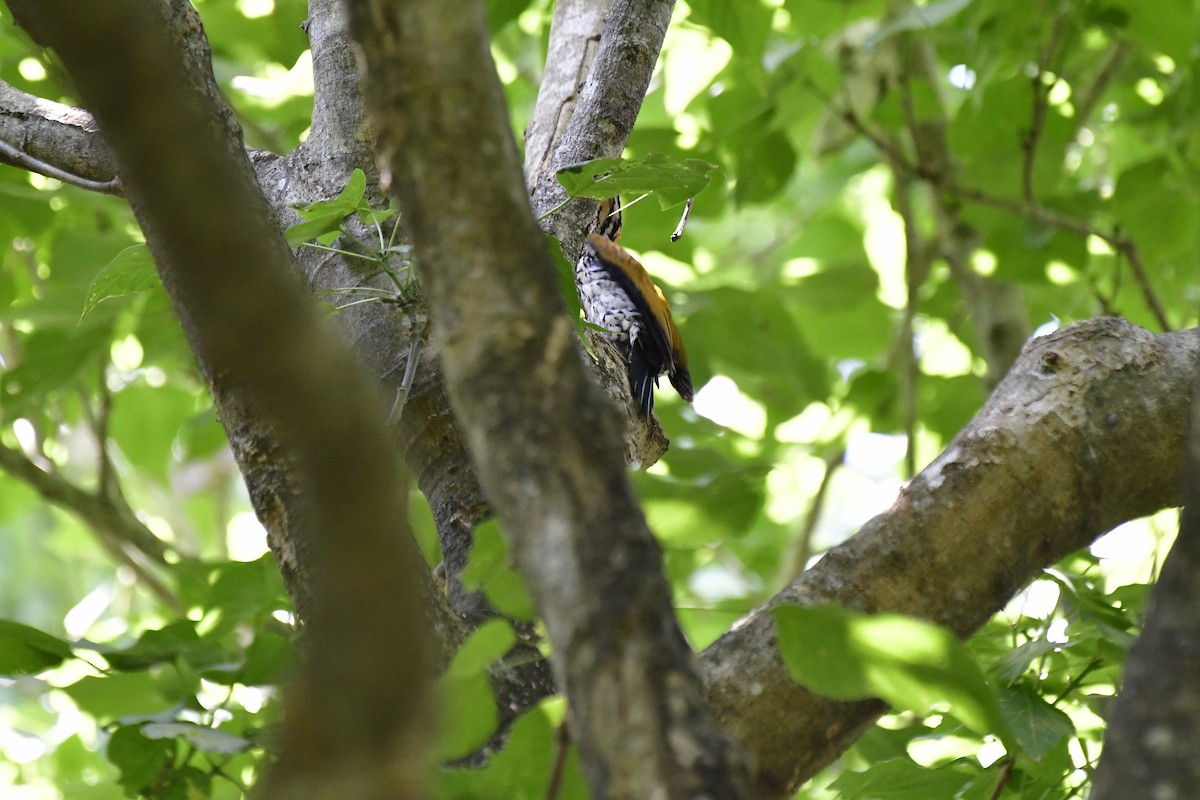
(618, 295)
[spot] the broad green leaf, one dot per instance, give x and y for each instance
(490, 570)
(131, 272)
(502, 12)
(468, 711)
(26, 651)
(519, 771)
(325, 217)
(178, 640)
(141, 760)
(118, 695)
(715, 509)
(202, 737)
(906, 662)
(245, 591)
(52, 358)
(764, 166)
(1016, 661)
(145, 422)
(902, 779)
(745, 24)
(673, 181)
(486, 645)
(269, 660)
(1157, 207)
(1037, 725)
(1167, 26)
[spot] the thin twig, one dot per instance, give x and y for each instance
(802, 546)
(23, 159)
(410, 372)
(1074, 682)
(99, 512)
(683, 220)
(1041, 102)
(1006, 770)
(105, 480)
(1035, 211)
(562, 745)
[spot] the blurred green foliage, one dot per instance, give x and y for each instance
(790, 288)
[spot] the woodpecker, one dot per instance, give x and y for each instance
(618, 295)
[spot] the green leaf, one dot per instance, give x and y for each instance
(51, 358)
(714, 509)
(325, 217)
(672, 180)
(140, 759)
(131, 272)
(902, 779)
(175, 641)
(468, 709)
(1037, 725)
(908, 663)
(1157, 208)
(764, 166)
(26, 651)
(490, 570)
(502, 12)
(145, 422)
(121, 694)
(202, 737)
(486, 645)
(269, 660)
(745, 24)
(1016, 661)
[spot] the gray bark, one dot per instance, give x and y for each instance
(1085, 432)
(357, 716)
(543, 438)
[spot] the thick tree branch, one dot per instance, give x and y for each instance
(1085, 432)
(574, 38)
(356, 717)
(543, 440)
(1153, 732)
(606, 109)
(55, 135)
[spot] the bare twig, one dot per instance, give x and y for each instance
(23, 159)
(1041, 101)
(562, 746)
(1123, 244)
(683, 220)
(1006, 771)
(802, 546)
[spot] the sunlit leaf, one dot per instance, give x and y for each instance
(25, 650)
(1037, 725)
(671, 180)
(907, 662)
(131, 272)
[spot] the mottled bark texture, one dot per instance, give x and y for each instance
(543, 439)
(358, 716)
(1085, 432)
(1152, 745)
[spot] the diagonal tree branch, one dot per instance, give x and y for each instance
(542, 438)
(1085, 432)
(357, 720)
